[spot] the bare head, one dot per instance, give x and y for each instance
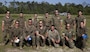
(52, 27)
(40, 23)
(68, 15)
(46, 14)
(30, 21)
(68, 26)
(81, 24)
(16, 23)
(35, 15)
(21, 14)
(7, 13)
(79, 12)
(56, 12)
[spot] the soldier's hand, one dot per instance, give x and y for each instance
(12, 40)
(2, 29)
(57, 41)
(53, 40)
(37, 33)
(16, 38)
(71, 40)
(43, 37)
(25, 38)
(67, 38)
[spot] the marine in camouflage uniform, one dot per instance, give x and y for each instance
(78, 19)
(16, 33)
(47, 21)
(31, 29)
(68, 36)
(81, 41)
(69, 20)
(35, 20)
(53, 36)
(42, 31)
(22, 22)
(57, 21)
(7, 24)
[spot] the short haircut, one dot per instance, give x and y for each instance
(29, 19)
(69, 12)
(53, 25)
(41, 21)
(56, 9)
(80, 11)
(46, 12)
(21, 12)
(16, 21)
(7, 11)
(82, 21)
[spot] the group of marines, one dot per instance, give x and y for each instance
(49, 30)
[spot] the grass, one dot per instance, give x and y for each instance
(27, 16)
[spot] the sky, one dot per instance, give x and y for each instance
(54, 1)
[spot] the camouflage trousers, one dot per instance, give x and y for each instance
(42, 41)
(50, 42)
(69, 43)
(6, 36)
(80, 42)
(35, 40)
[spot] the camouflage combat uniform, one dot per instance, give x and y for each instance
(69, 34)
(7, 28)
(69, 21)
